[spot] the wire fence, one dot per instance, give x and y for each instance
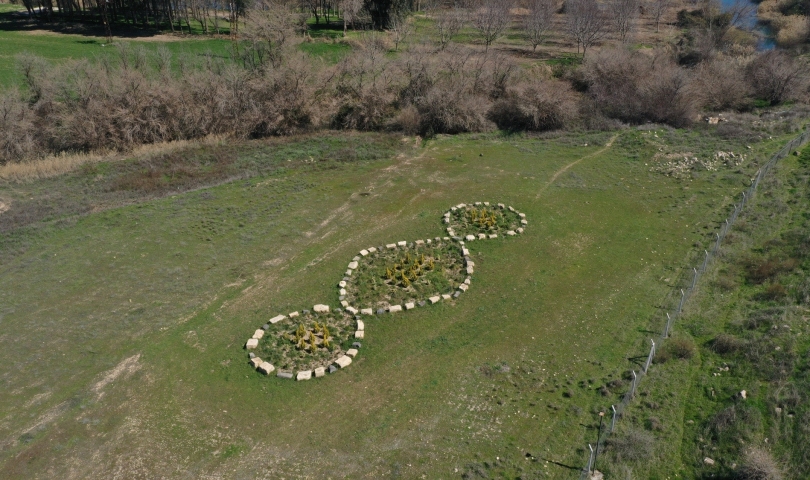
(689, 281)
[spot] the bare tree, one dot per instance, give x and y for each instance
(623, 14)
(448, 23)
(776, 76)
(491, 18)
(585, 22)
(351, 11)
(400, 28)
(658, 8)
(538, 21)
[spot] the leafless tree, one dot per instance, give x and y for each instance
(623, 14)
(490, 18)
(351, 12)
(658, 8)
(585, 22)
(400, 28)
(776, 76)
(538, 21)
(448, 23)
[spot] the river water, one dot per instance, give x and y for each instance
(764, 34)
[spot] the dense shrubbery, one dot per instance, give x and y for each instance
(272, 90)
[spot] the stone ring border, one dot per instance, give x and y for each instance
(345, 360)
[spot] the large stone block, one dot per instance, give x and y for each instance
(493, 235)
(364, 252)
(469, 263)
(446, 296)
(372, 249)
(435, 299)
(522, 215)
(524, 222)
(252, 343)
(343, 361)
(463, 287)
(520, 230)
(305, 375)
(402, 243)
(342, 291)
(361, 325)
(482, 236)
(360, 334)
(320, 372)
(258, 334)
(266, 368)
(391, 246)
(351, 310)
(511, 233)
(395, 308)
(342, 284)
(294, 314)
(419, 242)
(366, 311)
(279, 318)
(344, 304)
(256, 361)
(353, 265)
(320, 308)
(284, 375)
(410, 305)
(469, 238)
(349, 272)
(470, 270)
(352, 352)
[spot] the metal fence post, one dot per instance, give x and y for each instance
(613, 422)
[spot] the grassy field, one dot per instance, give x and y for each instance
(126, 297)
(746, 330)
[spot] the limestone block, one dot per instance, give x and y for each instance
(465, 252)
(352, 352)
(501, 205)
(294, 314)
(511, 209)
(266, 368)
(342, 291)
(434, 299)
(410, 305)
(467, 281)
(493, 235)
(364, 252)
(482, 236)
(486, 204)
(349, 272)
(447, 215)
(366, 311)
(470, 270)
(343, 361)
(463, 287)
(320, 372)
(351, 310)
(477, 204)
(344, 304)
(470, 264)
(258, 334)
(353, 265)
(279, 318)
(402, 243)
(524, 222)
(419, 242)
(519, 230)
(356, 258)
(522, 215)
(446, 296)
(429, 241)
(284, 375)
(342, 284)
(252, 343)
(395, 308)
(461, 205)
(320, 308)
(306, 375)
(360, 334)
(256, 361)
(469, 238)
(361, 325)
(372, 249)
(446, 239)
(391, 246)
(511, 233)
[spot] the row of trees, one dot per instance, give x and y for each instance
(146, 98)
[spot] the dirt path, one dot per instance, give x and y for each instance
(565, 168)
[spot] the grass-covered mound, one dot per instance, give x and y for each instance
(306, 342)
(393, 276)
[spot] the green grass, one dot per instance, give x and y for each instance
(331, 53)
(749, 322)
(176, 277)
